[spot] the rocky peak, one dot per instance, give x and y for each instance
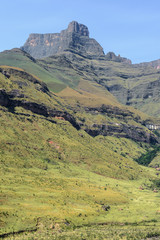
(75, 37)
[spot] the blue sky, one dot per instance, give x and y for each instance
(130, 28)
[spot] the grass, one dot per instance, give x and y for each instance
(61, 206)
(61, 70)
(101, 233)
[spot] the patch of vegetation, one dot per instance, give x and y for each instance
(156, 184)
(147, 158)
(157, 132)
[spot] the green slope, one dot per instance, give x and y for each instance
(20, 59)
(54, 177)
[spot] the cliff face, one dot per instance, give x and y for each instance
(76, 36)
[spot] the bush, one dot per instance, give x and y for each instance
(106, 207)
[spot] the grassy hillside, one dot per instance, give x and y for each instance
(55, 178)
(20, 59)
(58, 180)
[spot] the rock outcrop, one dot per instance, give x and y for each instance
(135, 133)
(111, 56)
(8, 100)
(122, 129)
(76, 36)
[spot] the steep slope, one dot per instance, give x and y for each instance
(54, 172)
(39, 137)
(23, 95)
(18, 58)
(69, 162)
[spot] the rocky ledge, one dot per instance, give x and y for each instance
(135, 133)
(8, 100)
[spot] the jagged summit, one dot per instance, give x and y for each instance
(78, 28)
(76, 37)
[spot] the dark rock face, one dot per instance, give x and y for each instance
(112, 111)
(111, 129)
(123, 130)
(120, 130)
(76, 36)
(7, 100)
(17, 98)
(4, 98)
(120, 92)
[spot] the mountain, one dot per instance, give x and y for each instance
(76, 36)
(77, 161)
